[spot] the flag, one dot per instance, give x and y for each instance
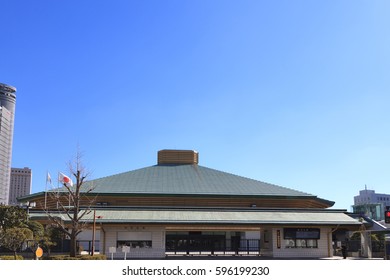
(48, 178)
(65, 180)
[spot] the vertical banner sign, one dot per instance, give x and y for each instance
(278, 239)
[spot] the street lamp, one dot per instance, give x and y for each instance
(28, 206)
(94, 230)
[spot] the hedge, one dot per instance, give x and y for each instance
(80, 257)
(18, 257)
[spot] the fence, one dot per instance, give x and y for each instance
(354, 248)
(202, 246)
(86, 246)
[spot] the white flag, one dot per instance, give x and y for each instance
(65, 180)
(48, 178)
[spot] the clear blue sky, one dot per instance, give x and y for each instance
(294, 93)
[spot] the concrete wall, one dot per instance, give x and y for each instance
(110, 236)
(266, 241)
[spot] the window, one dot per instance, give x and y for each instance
(134, 243)
(301, 243)
(301, 237)
(102, 203)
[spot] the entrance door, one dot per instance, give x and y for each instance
(195, 243)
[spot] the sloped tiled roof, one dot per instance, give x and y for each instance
(190, 180)
(187, 180)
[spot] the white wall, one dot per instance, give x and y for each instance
(155, 234)
(283, 252)
(266, 242)
(252, 234)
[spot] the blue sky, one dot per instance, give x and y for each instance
(294, 93)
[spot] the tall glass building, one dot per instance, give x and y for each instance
(7, 111)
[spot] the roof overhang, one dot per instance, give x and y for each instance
(219, 217)
(302, 201)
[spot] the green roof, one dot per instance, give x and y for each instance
(208, 216)
(187, 180)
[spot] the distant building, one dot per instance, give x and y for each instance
(7, 110)
(21, 183)
(371, 204)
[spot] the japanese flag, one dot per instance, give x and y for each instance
(65, 180)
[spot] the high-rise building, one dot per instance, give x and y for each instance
(7, 111)
(371, 204)
(21, 179)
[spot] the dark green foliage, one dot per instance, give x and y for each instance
(49, 238)
(14, 238)
(374, 237)
(12, 216)
(37, 229)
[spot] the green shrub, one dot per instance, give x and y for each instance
(11, 257)
(56, 257)
(94, 257)
(80, 257)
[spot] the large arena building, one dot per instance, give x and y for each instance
(178, 207)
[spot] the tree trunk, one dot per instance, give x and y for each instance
(14, 255)
(73, 247)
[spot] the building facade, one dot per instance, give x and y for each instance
(178, 207)
(7, 111)
(21, 184)
(371, 204)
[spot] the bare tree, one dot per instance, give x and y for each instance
(72, 203)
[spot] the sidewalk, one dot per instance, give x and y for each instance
(334, 258)
(350, 258)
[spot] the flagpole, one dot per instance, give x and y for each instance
(47, 175)
(58, 188)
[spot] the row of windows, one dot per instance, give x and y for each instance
(102, 204)
(364, 199)
(20, 183)
(301, 237)
(134, 243)
(289, 243)
(301, 243)
(25, 170)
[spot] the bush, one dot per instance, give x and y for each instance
(60, 258)
(80, 257)
(94, 257)
(11, 257)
